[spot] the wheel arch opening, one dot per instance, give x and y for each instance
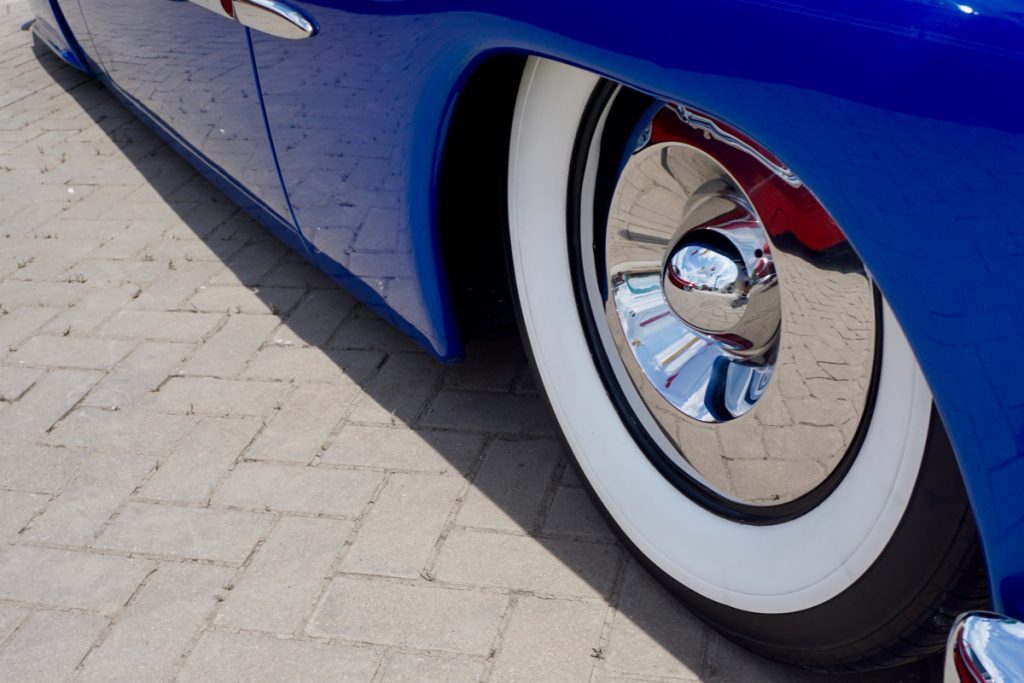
(472, 196)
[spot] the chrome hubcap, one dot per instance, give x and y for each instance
(741, 324)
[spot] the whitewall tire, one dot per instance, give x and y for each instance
(748, 578)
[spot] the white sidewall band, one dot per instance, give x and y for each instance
(767, 569)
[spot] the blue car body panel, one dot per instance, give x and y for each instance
(49, 28)
(198, 82)
(904, 117)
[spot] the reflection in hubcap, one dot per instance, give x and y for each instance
(742, 320)
(701, 308)
(720, 279)
(706, 286)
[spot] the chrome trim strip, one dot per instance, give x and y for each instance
(711, 128)
(985, 647)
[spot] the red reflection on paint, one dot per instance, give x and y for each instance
(784, 209)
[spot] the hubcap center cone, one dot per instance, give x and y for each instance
(719, 277)
(706, 285)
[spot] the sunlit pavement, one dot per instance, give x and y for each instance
(216, 465)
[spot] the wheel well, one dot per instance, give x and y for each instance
(472, 212)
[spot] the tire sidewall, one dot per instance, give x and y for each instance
(786, 568)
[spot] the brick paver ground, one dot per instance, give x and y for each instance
(216, 465)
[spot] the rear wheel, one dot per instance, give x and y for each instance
(735, 391)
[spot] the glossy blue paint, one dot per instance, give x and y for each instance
(73, 18)
(70, 13)
(283, 229)
(191, 69)
(53, 32)
(303, 244)
(349, 151)
(903, 116)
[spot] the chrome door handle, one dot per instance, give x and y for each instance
(274, 17)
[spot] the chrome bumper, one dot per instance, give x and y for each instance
(983, 647)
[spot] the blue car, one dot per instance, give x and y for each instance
(762, 254)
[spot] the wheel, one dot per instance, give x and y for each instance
(735, 391)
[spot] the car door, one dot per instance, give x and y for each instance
(344, 109)
(189, 64)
